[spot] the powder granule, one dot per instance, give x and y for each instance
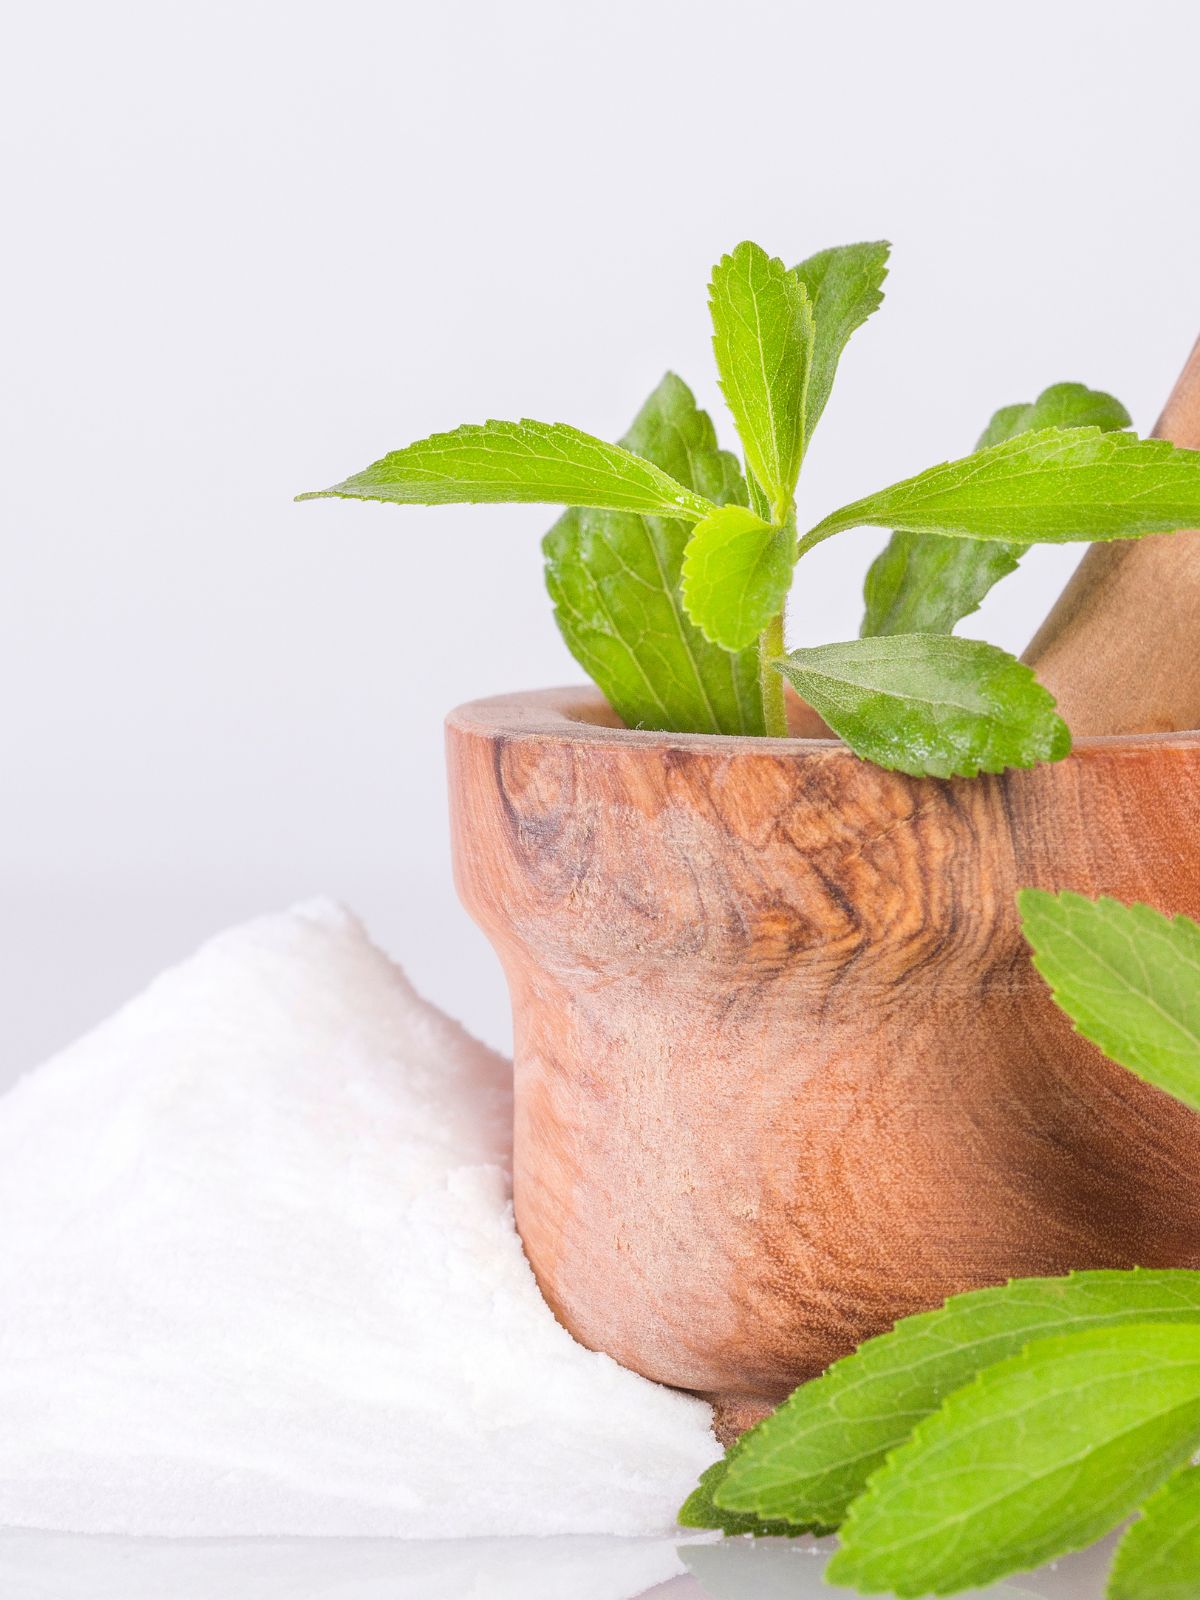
(258, 1275)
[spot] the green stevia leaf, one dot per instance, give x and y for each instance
(737, 570)
(700, 1510)
(931, 705)
(1041, 1455)
(1159, 1558)
(1009, 421)
(758, 501)
(844, 285)
(537, 463)
(763, 339)
(614, 579)
(1062, 405)
(1128, 978)
(1052, 486)
(812, 1457)
(926, 583)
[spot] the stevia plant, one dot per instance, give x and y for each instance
(670, 569)
(1019, 1423)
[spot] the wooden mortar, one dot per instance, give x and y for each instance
(784, 1071)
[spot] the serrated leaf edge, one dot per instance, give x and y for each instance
(1044, 965)
(1129, 1543)
(847, 517)
(919, 1322)
(684, 503)
(1056, 727)
(918, 1437)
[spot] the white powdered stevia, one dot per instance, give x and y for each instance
(258, 1275)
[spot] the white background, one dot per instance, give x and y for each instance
(251, 246)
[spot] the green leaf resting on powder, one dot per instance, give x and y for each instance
(763, 339)
(614, 579)
(538, 463)
(1129, 979)
(1159, 1558)
(737, 570)
(1052, 486)
(930, 705)
(1041, 1455)
(926, 583)
(813, 1456)
(700, 1510)
(844, 285)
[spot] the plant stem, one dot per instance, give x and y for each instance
(770, 647)
(812, 539)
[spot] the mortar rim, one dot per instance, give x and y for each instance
(559, 713)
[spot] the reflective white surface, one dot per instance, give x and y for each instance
(56, 1567)
(781, 1569)
(36, 1566)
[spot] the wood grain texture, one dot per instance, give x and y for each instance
(1119, 649)
(784, 1072)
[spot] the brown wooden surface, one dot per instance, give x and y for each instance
(1120, 651)
(784, 1072)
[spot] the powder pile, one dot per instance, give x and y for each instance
(258, 1275)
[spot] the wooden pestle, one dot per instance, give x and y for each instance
(1120, 651)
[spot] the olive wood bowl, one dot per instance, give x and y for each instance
(784, 1072)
